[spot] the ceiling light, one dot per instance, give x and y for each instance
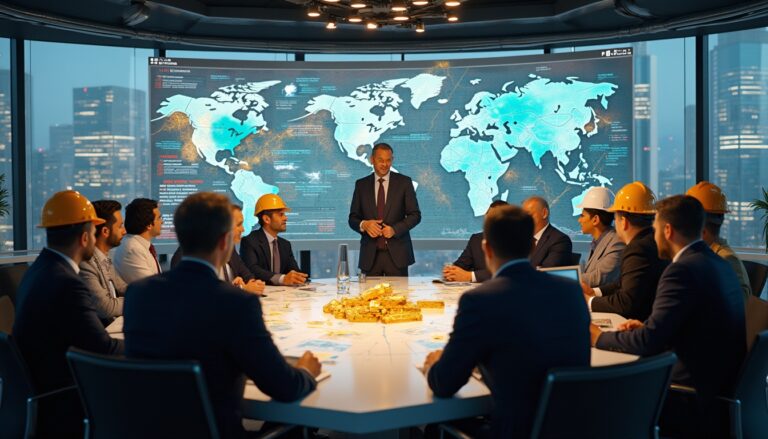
(355, 19)
(420, 27)
(452, 3)
(357, 4)
(420, 2)
(313, 10)
(452, 17)
(372, 25)
(400, 17)
(399, 6)
(331, 1)
(331, 23)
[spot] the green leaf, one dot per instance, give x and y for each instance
(761, 206)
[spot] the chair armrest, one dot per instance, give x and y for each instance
(32, 407)
(445, 428)
(682, 389)
(734, 408)
(277, 432)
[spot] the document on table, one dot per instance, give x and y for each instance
(293, 360)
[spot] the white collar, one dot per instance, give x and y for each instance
(201, 261)
(385, 177)
(142, 240)
(270, 238)
(682, 250)
(537, 236)
(69, 260)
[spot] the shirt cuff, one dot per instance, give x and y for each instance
(276, 279)
(361, 227)
(589, 304)
(474, 278)
(597, 292)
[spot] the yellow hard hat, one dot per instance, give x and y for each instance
(269, 202)
(710, 196)
(634, 198)
(66, 208)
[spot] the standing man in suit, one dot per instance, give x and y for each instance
(603, 265)
(470, 267)
(551, 247)
(716, 206)
(55, 311)
(214, 323)
(698, 313)
(491, 333)
(632, 295)
(107, 287)
(235, 271)
(136, 258)
(384, 209)
(267, 256)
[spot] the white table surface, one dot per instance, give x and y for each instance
(374, 383)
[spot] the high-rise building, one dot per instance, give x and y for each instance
(645, 123)
(739, 128)
(109, 140)
(6, 226)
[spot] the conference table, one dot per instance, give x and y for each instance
(375, 386)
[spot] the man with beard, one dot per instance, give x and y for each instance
(55, 311)
(107, 287)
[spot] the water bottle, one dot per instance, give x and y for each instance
(342, 272)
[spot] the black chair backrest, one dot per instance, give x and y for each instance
(126, 398)
(10, 279)
(575, 258)
(752, 389)
(15, 388)
(758, 274)
(604, 402)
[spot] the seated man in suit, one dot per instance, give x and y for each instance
(490, 331)
(603, 265)
(470, 267)
(55, 311)
(234, 271)
(214, 323)
(136, 258)
(632, 295)
(269, 257)
(716, 206)
(551, 247)
(698, 313)
(107, 287)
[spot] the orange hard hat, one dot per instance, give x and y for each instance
(634, 198)
(269, 202)
(710, 196)
(66, 208)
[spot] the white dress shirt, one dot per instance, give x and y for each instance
(132, 259)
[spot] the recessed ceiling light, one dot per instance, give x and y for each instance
(355, 19)
(313, 11)
(399, 6)
(420, 27)
(400, 18)
(452, 17)
(372, 25)
(420, 2)
(452, 3)
(357, 4)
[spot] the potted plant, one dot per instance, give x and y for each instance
(761, 206)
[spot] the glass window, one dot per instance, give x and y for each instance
(244, 56)
(88, 124)
(738, 75)
(338, 57)
(6, 222)
(466, 55)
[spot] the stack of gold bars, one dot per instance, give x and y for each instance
(379, 304)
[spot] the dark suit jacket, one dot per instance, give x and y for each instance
(401, 212)
(235, 263)
(216, 324)
(254, 249)
(490, 332)
(699, 314)
(553, 249)
(54, 311)
(473, 258)
(632, 295)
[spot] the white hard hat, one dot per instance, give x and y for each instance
(599, 198)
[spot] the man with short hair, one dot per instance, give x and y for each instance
(470, 267)
(383, 211)
(136, 258)
(551, 247)
(234, 271)
(268, 256)
(107, 288)
(716, 206)
(214, 323)
(603, 265)
(632, 295)
(698, 313)
(54, 311)
(492, 329)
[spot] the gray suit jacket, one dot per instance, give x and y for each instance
(96, 275)
(604, 266)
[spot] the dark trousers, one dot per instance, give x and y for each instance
(384, 265)
(683, 416)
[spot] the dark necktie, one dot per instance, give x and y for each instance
(154, 256)
(227, 274)
(275, 258)
(592, 247)
(381, 243)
